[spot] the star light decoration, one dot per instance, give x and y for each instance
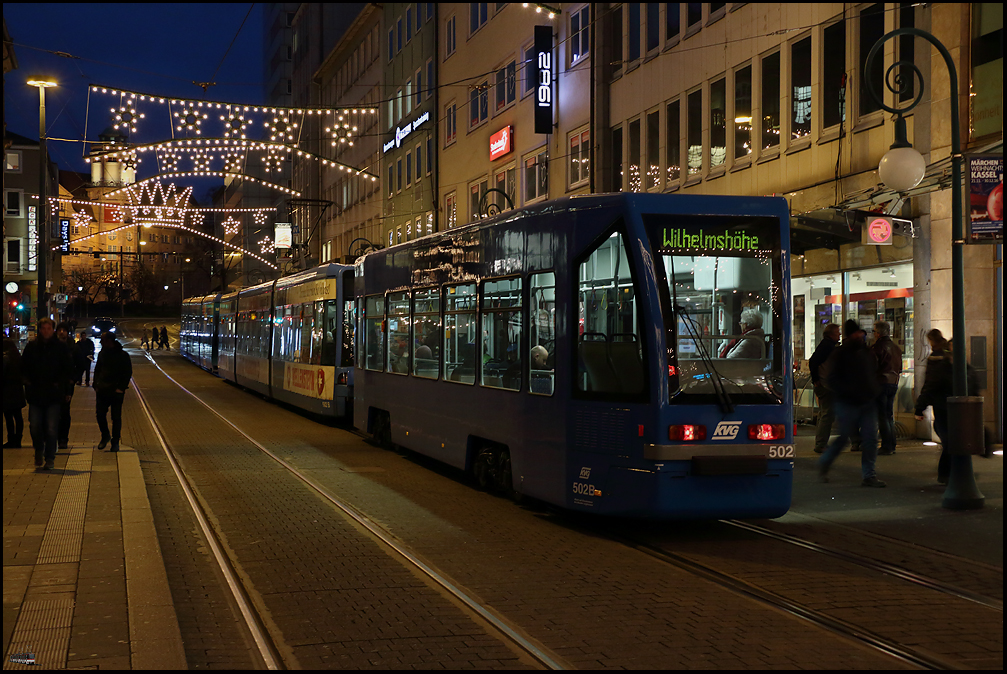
(231, 225)
(234, 123)
(233, 159)
(167, 159)
(273, 159)
(125, 116)
(342, 133)
(201, 160)
(131, 161)
(260, 218)
(190, 118)
(281, 128)
(266, 245)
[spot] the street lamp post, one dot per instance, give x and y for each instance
(42, 248)
(902, 169)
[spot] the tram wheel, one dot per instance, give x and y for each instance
(503, 479)
(483, 468)
(383, 430)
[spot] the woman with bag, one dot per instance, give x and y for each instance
(937, 386)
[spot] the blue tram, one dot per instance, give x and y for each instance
(619, 354)
(197, 334)
(289, 339)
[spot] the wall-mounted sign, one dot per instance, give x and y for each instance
(402, 131)
(986, 195)
(283, 236)
(64, 234)
(877, 231)
(32, 239)
(501, 142)
(544, 86)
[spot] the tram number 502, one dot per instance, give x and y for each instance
(781, 451)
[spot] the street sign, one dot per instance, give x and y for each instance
(877, 231)
(985, 181)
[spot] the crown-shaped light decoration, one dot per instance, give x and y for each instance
(131, 161)
(266, 245)
(125, 116)
(231, 225)
(234, 123)
(190, 118)
(281, 129)
(150, 203)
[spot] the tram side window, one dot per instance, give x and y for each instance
(609, 350)
(267, 325)
(374, 317)
(501, 349)
(460, 334)
(427, 333)
(398, 333)
(542, 333)
(346, 354)
(325, 322)
(318, 329)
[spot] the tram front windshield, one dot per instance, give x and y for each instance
(723, 306)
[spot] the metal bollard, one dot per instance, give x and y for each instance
(965, 425)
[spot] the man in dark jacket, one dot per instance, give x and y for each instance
(889, 357)
(64, 335)
(85, 348)
(852, 377)
(826, 411)
(47, 369)
(112, 373)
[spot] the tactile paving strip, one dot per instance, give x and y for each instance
(62, 540)
(44, 625)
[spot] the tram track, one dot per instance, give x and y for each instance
(264, 639)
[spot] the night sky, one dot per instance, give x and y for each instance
(153, 48)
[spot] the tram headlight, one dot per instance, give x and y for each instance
(767, 431)
(687, 432)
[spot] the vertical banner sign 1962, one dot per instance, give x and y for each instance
(986, 195)
(544, 84)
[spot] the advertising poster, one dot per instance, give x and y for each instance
(985, 181)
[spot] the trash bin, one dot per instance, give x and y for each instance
(965, 425)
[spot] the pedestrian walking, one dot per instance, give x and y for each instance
(826, 409)
(13, 394)
(47, 373)
(937, 386)
(85, 347)
(852, 378)
(145, 340)
(164, 338)
(64, 335)
(889, 357)
(112, 373)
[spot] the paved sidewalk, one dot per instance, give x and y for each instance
(84, 584)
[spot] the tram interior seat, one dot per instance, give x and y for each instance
(612, 367)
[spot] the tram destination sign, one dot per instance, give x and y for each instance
(986, 198)
(679, 239)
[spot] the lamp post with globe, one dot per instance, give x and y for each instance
(902, 168)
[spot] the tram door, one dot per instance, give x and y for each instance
(609, 398)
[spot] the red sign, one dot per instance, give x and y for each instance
(879, 231)
(500, 142)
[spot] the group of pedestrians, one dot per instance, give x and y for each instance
(856, 383)
(158, 339)
(43, 377)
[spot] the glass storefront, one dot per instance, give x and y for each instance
(864, 295)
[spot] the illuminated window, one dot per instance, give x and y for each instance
(580, 34)
(479, 104)
(579, 157)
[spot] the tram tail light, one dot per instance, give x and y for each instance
(687, 432)
(767, 431)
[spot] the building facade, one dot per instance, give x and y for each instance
(408, 126)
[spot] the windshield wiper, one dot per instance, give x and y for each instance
(723, 399)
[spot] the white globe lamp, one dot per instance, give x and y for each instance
(902, 168)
